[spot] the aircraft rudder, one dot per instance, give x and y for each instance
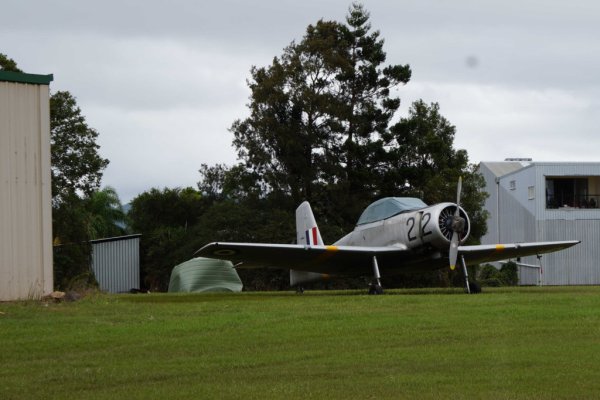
(307, 231)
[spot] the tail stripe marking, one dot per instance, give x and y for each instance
(311, 234)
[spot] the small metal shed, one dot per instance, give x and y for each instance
(116, 263)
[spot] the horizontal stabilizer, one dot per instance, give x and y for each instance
(303, 277)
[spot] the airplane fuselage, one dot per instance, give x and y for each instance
(425, 227)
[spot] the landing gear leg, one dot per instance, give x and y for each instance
(375, 287)
(472, 287)
(466, 274)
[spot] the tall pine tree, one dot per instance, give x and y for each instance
(317, 116)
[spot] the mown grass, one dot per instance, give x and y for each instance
(503, 344)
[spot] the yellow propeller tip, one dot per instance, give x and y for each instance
(452, 267)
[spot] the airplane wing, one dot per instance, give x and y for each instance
(496, 252)
(358, 260)
(335, 260)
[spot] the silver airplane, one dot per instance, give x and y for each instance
(393, 235)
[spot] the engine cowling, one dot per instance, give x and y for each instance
(445, 219)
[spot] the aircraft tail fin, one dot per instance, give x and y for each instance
(307, 231)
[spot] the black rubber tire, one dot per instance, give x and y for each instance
(375, 289)
(475, 287)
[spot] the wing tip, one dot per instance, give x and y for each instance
(205, 247)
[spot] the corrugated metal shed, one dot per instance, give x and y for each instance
(520, 212)
(25, 191)
(116, 263)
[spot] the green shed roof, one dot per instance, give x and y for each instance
(9, 76)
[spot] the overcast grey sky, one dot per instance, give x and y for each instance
(163, 81)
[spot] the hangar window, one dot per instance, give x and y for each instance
(573, 192)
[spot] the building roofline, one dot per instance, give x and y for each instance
(535, 164)
(532, 165)
(546, 163)
(116, 239)
(19, 77)
(490, 165)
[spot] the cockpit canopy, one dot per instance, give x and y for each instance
(388, 207)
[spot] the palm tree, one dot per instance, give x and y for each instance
(105, 214)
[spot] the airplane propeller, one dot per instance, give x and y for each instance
(458, 228)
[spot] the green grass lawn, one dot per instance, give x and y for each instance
(502, 344)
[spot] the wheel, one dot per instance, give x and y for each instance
(299, 289)
(475, 287)
(375, 289)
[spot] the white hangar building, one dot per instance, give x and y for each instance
(25, 193)
(547, 201)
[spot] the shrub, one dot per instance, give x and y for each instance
(509, 274)
(505, 276)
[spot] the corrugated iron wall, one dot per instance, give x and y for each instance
(491, 205)
(529, 276)
(116, 263)
(25, 191)
(516, 223)
(523, 218)
(579, 264)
